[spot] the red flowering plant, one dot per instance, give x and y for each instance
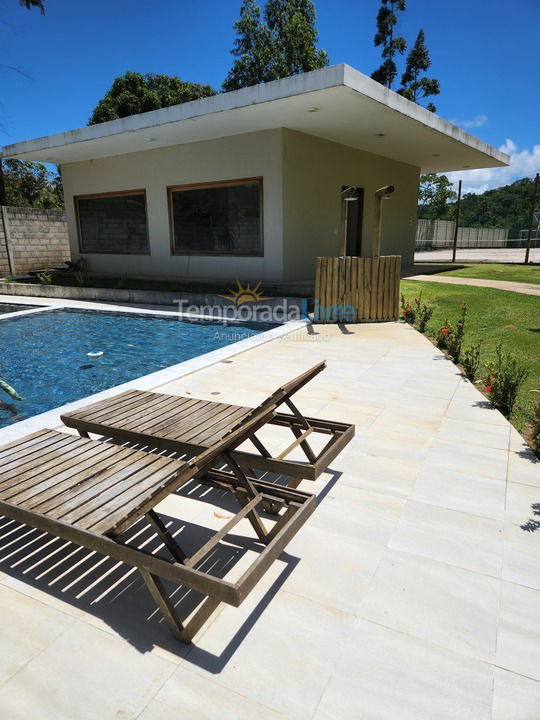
(444, 334)
(504, 380)
(488, 382)
(416, 313)
(407, 311)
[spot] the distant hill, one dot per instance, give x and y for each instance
(505, 207)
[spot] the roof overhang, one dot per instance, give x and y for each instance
(337, 103)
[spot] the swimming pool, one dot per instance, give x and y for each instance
(8, 308)
(44, 356)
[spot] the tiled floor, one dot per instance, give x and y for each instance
(411, 593)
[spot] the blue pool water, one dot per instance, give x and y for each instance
(6, 308)
(45, 356)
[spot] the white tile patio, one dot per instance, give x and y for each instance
(412, 592)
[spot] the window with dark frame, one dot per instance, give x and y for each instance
(113, 223)
(217, 219)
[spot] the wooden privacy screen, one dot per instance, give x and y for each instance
(357, 289)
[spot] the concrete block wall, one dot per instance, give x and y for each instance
(37, 239)
(4, 264)
(440, 233)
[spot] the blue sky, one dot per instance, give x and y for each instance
(482, 53)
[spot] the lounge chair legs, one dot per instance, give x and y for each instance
(184, 633)
(165, 536)
(245, 482)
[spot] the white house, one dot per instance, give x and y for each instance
(251, 184)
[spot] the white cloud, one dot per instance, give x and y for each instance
(523, 163)
(476, 122)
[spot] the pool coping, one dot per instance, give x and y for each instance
(151, 381)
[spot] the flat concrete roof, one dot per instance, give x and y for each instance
(337, 103)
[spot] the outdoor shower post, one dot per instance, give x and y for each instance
(380, 195)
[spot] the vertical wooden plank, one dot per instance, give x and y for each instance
(327, 286)
(354, 286)
(397, 279)
(359, 273)
(342, 284)
(379, 285)
(335, 285)
(347, 294)
(391, 281)
(383, 279)
(367, 288)
(388, 291)
(392, 287)
(374, 287)
(318, 287)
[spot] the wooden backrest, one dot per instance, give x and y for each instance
(235, 436)
(273, 401)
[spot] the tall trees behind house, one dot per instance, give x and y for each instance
(280, 44)
(391, 44)
(415, 86)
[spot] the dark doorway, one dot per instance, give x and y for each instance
(353, 213)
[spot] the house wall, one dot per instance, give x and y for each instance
(314, 172)
(302, 180)
(241, 156)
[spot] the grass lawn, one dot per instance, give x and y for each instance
(493, 316)
(510, 272)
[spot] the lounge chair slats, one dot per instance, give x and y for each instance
(73, 490)
(56, 477)
(187, 425)
(88, 492)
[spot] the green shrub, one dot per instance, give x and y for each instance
(45, 277)
(407, 311)
(416, 312)
(504, 380)
(443, 334)
(471, 361)
(423, 313)
(455, 341)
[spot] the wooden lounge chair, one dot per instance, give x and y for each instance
(188, 425)
(89, 492)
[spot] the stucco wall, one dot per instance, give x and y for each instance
(314, 172)
(242, 156)
(302, 180)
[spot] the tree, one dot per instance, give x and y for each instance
(436, 191)
(391, 46)
(252, 49)
(284, 44)
(415, 85)
(508, 206)
(134, 93)
(292, 25)
(32, 184)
